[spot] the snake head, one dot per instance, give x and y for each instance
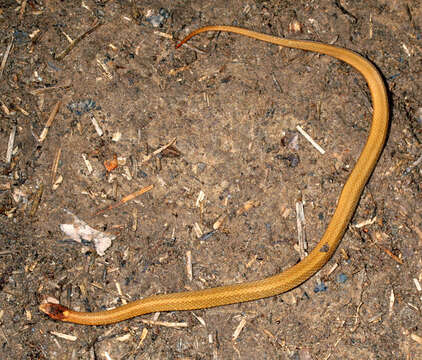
(55, 311)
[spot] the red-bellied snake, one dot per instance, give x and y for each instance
(323, 251)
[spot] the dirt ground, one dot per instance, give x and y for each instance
(233, 105)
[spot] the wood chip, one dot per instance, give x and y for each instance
(308, 137)
(126, 199)
(156, 152)
(97, 126)
(143, 336)
(200, 319)
(219, 222)
(125, 337)
(198, 230)
(391, 303)
(55, 166)
(40, 91)
(5, 57)
(189, 265)
(239, 328)
(200, 198)
(49, 121)
(37, 200)
(365, 223)
(374, 318)
(301, 234)
(87, 164)
(73, 43)
(10, 145)
(417, 284)
(119, 291)
(247, 206)
(165, 323)
(64, 336)
(28, 315)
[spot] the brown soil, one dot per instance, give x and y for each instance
(233, 105)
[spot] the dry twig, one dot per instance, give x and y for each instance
(156, 152)
(126, 199)
(76, 41)
(49, 121)
(5, 57)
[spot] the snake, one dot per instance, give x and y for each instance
(295, 275)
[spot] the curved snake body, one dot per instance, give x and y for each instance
(323, 251)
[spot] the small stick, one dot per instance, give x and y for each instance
(87, 163)
(37, 200)
(391, 303)
(135, 219)
(238, 329)
(164, 35)
(143, 337)
(365, 223)
(76, 41)
(417, 284)
(119, 291)
(22, 11)
(276, 83)
(200, 198)
(156, 152)
(49, 121)
(5, 108)
(64, 336)
(247, 206)
(55, 165)
(5, 57)
(308, 137)
(96, 126)
(200, 319)
(165, 323)
(39, 91)
(22, 110)
(126, 199)
(110, 291)
(301, 235)
(189, 265)
(10, 145)
(5, 252)
(198, 230)
(388, 252)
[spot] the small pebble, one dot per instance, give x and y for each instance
(341, 278)
(320, 287)
(82, 106)
(158, 20)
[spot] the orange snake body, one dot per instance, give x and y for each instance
(323, 251)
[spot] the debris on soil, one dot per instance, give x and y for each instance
(81, 232)
(234, 105)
